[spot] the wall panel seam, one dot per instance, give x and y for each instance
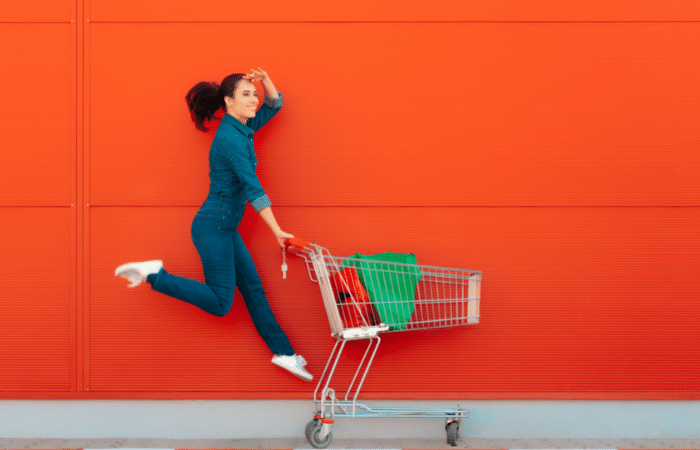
(197, 205)
(80, 340)
(393, 21)
(37, 23)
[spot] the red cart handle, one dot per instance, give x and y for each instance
(295, 245)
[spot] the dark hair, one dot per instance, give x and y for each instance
(206, 98)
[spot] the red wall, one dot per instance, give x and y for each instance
(552, 145)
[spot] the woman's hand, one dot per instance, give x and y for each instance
(282, 236)
(261, 75)
(256, 75)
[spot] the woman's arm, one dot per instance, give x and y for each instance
(240, 165)
(271, 93)
(261, 75)
(268, 217)
(272, 102)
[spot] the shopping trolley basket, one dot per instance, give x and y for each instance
(365, 297)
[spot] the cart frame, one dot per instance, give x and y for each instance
(327, 404)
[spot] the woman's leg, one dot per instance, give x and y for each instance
(216, 296)
(248, 282)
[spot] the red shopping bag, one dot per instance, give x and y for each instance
(352, 299)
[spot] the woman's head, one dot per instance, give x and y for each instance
(236, 95)
(242, 103)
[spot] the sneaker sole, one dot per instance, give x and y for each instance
(298, 375)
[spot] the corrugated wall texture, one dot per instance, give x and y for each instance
(552, 145)
(37, 185)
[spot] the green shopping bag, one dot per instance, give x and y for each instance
(390, 280)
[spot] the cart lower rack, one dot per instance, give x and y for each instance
(366, 296)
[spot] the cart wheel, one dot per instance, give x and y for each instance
(310, 426)
(313, 435)
(452, 433)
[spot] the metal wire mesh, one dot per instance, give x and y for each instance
(402, 296)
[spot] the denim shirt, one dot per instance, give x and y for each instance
(232, 160)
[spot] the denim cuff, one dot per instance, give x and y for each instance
(274, 102)
(261, 203)
(153, 278)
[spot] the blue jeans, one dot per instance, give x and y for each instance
(227, 264)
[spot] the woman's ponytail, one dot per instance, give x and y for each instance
(204, 100)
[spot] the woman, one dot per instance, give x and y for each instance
(225, 259)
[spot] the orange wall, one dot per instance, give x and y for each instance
(552, 145)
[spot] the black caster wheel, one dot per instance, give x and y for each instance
(310, 426)
(313, 434)
(452, 429)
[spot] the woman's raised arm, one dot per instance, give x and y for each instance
(262, 76)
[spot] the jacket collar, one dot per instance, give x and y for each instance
(242, 128)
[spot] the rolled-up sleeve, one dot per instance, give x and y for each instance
(261, 203)
(242, 167)
(274, 102)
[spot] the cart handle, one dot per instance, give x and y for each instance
(296, 245)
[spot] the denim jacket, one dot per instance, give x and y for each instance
(232, 160)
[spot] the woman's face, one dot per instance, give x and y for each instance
(244, 102)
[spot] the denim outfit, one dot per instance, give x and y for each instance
(226, 261)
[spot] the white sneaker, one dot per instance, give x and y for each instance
(294, 364)
(136, 273)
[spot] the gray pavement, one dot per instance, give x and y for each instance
(279, 424)
(301, 443)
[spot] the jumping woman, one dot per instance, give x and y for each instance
(225, 259)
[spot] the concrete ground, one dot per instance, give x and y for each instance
(279, 424)
(345, 443)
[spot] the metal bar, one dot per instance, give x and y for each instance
(325, 370)
(357, 392)
(335, 364)
(364, 411)
(352, 383)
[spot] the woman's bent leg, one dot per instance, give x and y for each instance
(248, 282)
(216, 296)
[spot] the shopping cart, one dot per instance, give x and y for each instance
(366, 297)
